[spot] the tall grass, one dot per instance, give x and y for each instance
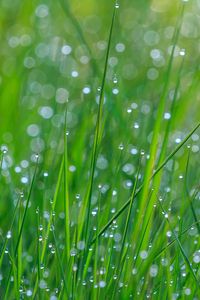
(100, 197)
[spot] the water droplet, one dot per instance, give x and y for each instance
(136, 125)
(53, 250)
(115, 79)
(5, 151)
(196, 258)
(121, 146)
(167, 116)
(29, 293)
(142, 152)
(94, 212)
(116, 5)
(169, 233)
(73, 252)
(187, 291)
(78, 196)
(143, 254)
(182, 52)
(75, 267)
(81, 245)
(9, 235)
(134, 271)
(102, 284)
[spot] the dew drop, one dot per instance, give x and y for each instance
(182, 52)
(121, 147)
(9, 235)
(143, 254)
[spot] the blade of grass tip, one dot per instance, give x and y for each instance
(87, 200)
(23, 221)
(126, 204)
(155, 139)
(181, 248)
(66, 192)
(60, 265)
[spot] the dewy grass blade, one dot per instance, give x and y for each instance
(157, 181)
(66, 191)
(121, 259)
(27, 205)
(120, 211)
(22, 222)
(187, 195)
(181, 249)
(58, 184)
(173, 241)
(11, 228)
(60, 265)
(87, 201)
(43, 251)
(142, 204)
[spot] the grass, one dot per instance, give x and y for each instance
(99, 137)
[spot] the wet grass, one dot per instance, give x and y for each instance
(100, 149)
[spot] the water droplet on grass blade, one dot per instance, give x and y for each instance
(9, 235)
(143, 254)
(102, 284)
(182, 52)
(121, 147)
(115, 79)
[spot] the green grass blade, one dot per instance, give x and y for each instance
(119, 212)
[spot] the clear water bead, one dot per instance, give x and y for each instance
(182, 52)
(9, 235)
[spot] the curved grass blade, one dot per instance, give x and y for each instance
(22, 223)
(60, 264)
(11, 227)
(58, 184)
(87, 201)
(181, 249)
(122, 255)
(123, 208)
(143, 204)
